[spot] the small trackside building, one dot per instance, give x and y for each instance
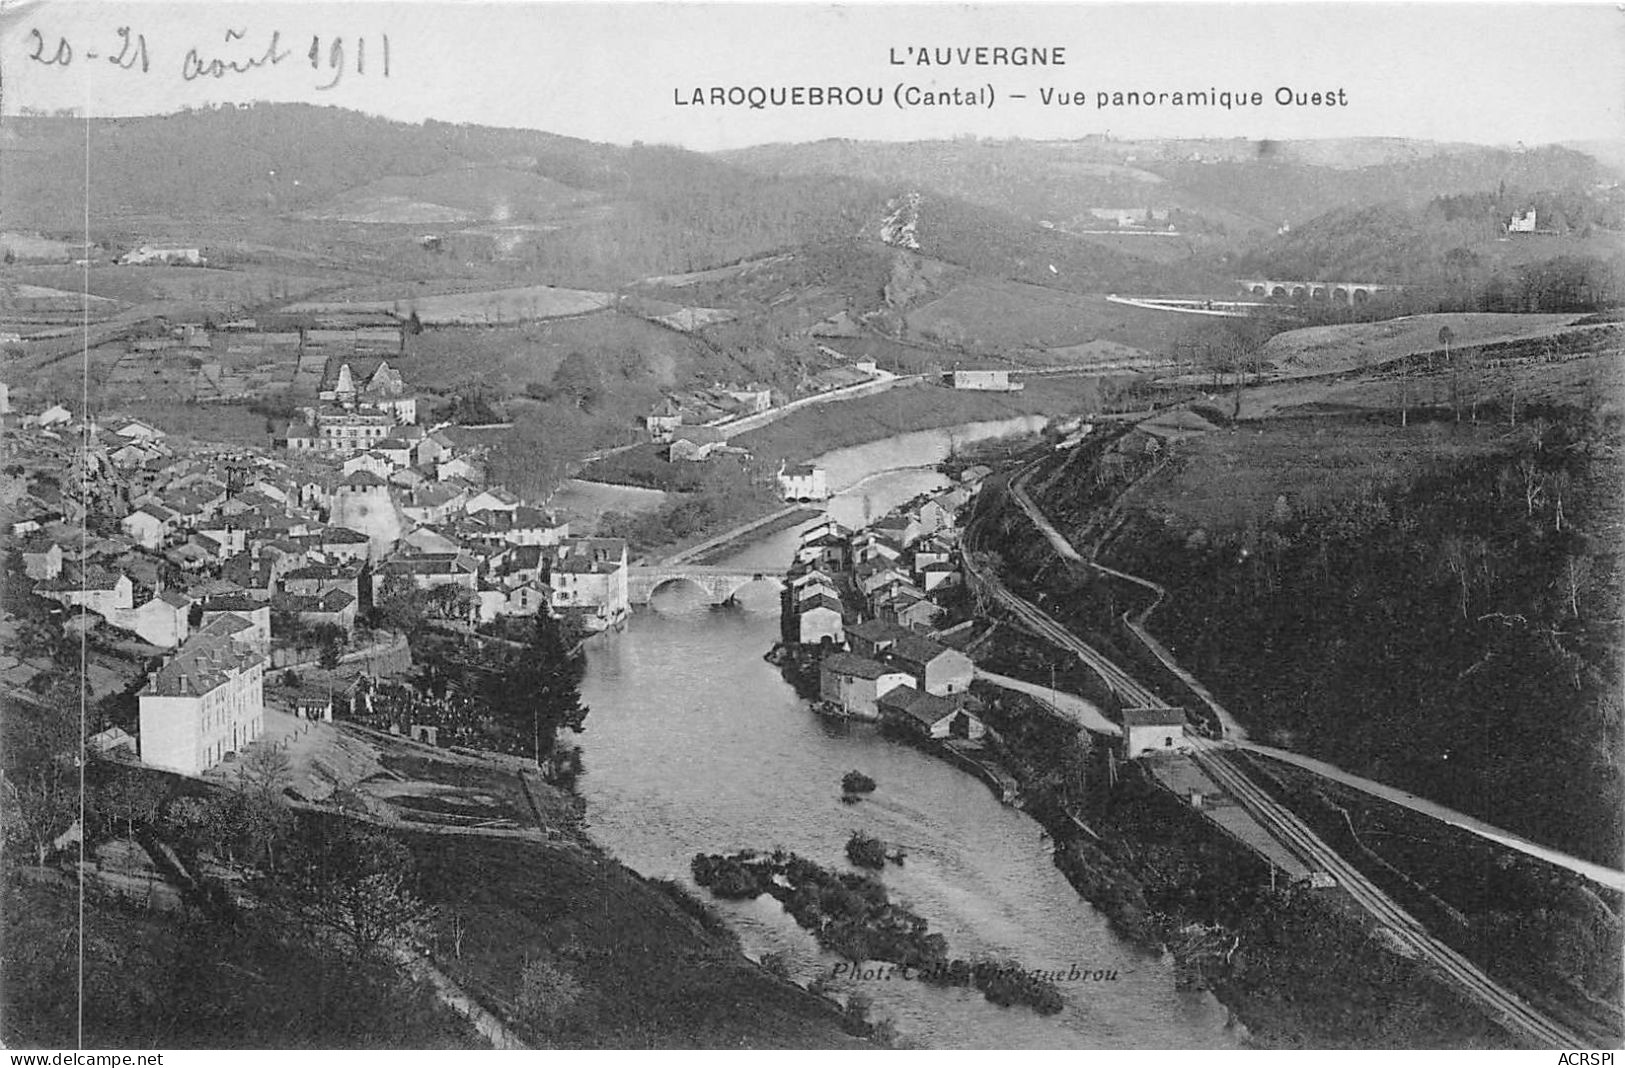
(1153, 730)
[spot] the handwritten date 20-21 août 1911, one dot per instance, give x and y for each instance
(239, 53)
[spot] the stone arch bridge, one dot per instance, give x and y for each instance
(720, 584)
(1335, 292)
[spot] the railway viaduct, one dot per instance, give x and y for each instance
(1336, 292)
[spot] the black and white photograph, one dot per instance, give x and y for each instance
(851, 526)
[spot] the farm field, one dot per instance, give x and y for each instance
(511, 357)
(1159, 248)
(469, 194)
(136, 285)
(1317, 350)
(24, 303)
(582, 502)
(25, 246)
(478, 308)
(1568, 382)
(1101, 353)
(818, 429)
(715, 274)
(230, 423)
(678, 316)
(1230, 477)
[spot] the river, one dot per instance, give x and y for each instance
(695, 744)
(870, 480)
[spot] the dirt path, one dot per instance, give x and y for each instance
(1599, 873)
(1068, 704)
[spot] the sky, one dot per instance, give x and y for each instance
(1487, 73)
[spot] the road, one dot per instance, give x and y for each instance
(1609, 877)
(1075, 708)
(882, 381)
(1505, 1007)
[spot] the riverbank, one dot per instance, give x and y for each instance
(912, 407)
(1299, 967)
(548, 931)
(532, 935)
(712, 548)
(697, 745)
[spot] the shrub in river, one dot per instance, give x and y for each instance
(856, 782)
(1009, 984)
(855, 1015)
(849, 913)
(777, 964)
(866, 852)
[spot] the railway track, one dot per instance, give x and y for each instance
(1505, 1007)
(1128, 691)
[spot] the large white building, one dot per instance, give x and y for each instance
(206, 701)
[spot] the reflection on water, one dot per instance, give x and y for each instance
(870, 480)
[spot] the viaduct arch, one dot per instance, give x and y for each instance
(1350, 293)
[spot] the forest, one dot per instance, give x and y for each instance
(1454, 632)
(1454, 251)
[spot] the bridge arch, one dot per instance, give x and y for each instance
(1341, 294)
(1361, 295)
(671, 582)
(760, 584)
(717, 585)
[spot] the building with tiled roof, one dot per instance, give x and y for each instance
(930, 715)
(936, 668)
(852, 684)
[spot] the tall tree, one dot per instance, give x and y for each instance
(537, 691)
(37, 805)
(350, 880)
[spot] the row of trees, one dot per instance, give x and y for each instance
(518, 697)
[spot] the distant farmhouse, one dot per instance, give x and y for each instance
(993, 381)
(149, 254)
(1528, 223)
(803, 482)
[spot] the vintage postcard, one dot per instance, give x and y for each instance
(814, 526)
